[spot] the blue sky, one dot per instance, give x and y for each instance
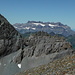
(20, 11)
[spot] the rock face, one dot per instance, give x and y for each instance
(41, 48)
(33, 26)
(41, 43)
(10, 39)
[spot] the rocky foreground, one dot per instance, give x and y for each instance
(63, 66)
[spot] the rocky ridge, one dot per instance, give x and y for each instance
(42, 46)
(42, 42)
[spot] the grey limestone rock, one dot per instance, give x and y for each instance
(10, 39)
(8, 65)
(45, 45)
(11, 69)
(31, 62)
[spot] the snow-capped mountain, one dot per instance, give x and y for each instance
(33, 26)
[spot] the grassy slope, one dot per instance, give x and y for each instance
(63, 66)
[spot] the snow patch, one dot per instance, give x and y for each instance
(26, 28)
(4, 64)
(52, 26)
(33, 28)
(19, 65)
(39, 24)
(15, 27)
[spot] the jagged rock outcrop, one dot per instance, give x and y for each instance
(42, 48)
(10, 39)
(42, 43)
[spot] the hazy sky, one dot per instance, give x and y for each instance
(20, 11)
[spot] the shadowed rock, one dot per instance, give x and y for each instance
(10, 39)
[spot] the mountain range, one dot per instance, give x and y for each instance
(35, 26)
